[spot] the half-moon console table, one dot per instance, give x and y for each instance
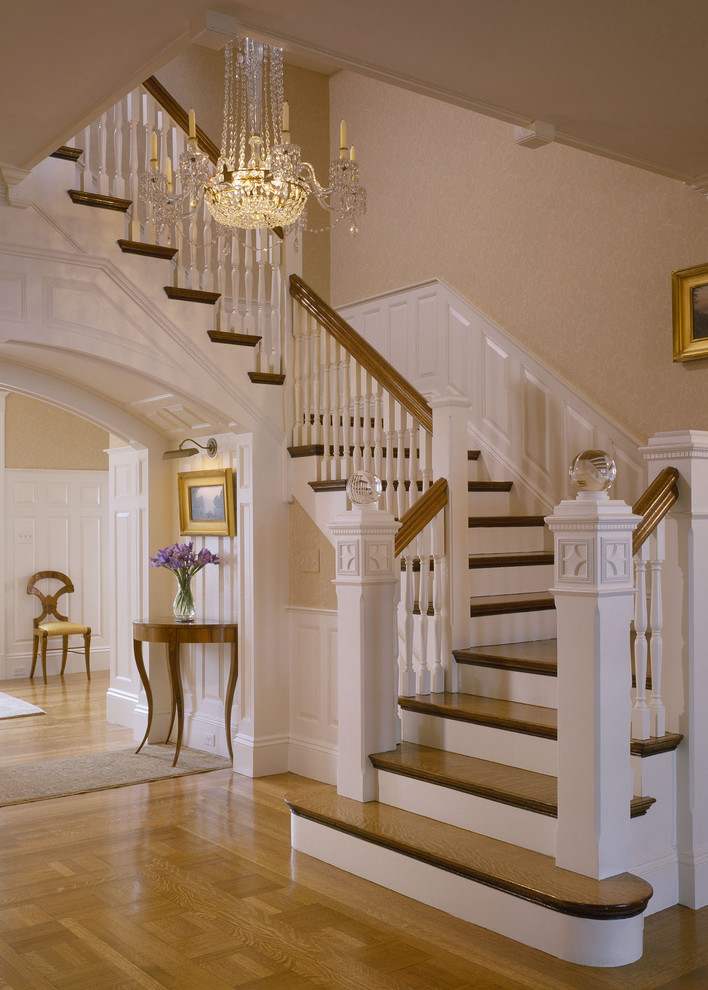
(173, 634)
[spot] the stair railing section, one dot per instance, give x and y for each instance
(243, 268)
(648, 545)
(420, 543)
(353, 409)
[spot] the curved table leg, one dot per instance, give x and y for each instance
(177, 693)
(138, 654)
(230, 689)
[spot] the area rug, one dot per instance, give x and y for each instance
(29, 782)
(14, 707)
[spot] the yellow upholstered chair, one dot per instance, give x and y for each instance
(44, 627)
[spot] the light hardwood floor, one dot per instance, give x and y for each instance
(190, 884)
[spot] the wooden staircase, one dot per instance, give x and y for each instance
(467, 802)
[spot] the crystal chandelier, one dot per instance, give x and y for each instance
(260, 180)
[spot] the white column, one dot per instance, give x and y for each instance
(685, 635)
(367, 589)
(450, 442)
(594, 592)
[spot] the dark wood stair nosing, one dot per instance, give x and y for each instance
(494, 522)
(522, 558)
(162, 251)
(475, 657)
(227, 337)
(511, 604)
(628, 908)
(100, 201)
(657, 744)
(67, 154)
(179, 294)
(266, 378)
(511, 724)
(489, 486)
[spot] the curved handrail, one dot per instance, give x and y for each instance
(420, 514)
(362, 351)
(654, 504)
(180, 116)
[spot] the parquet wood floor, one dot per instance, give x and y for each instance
(191, 884)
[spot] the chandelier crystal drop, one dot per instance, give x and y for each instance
(260, 179)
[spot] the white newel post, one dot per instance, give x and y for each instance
(367, 590)
(450, 414)
(594, 593)
(685, 634)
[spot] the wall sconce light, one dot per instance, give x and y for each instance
(182, 451)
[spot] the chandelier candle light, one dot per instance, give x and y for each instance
(260, 179)
(184, 562)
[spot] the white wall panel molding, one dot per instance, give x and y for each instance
(528, 422)
(312, 635)
(56, 520)
(13, 296)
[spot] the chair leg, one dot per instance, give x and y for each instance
(64, 652)
(87, 651)
(44, 658)
(35, 647)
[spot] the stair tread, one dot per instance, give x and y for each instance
(538, 656)
(489, 486)
(191, 295)
(495, 521)
(537, 792)
(227, 337)
(527, 601)
(497, 712)
(521, 872)
(67, 154)
(146, 250)
(522, 558)
(100, 200)
(266, 377)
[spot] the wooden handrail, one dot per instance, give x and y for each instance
(362, 351)
(180, 116)
(653, 505)
(420, 514)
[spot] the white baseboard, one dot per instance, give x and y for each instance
(661, 871)
(584, 941)
(314, 760)
(18, 665)
(261, 757)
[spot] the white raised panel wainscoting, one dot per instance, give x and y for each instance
(56, 520)
(528, 422)
(313, 696)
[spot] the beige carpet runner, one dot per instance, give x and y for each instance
(100, 771)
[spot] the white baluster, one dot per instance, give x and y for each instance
(412, 464)
(316, 434)
(357, 372)
(345, 413)
(307, 378)
(656, 647)
(149, 125)
(249, 319)
(335, 398)
(326, 406)
(236, 269)
(220, 283)
(134, 230)
(389, 459)
(367, 411)
(437, 677)
(298, 391)
(118, 178)
(261, 323)
(102, 136)
(401, 505)
(378, 430)
(640, 712)
(423, 679)
(407, 673)
(275, 279)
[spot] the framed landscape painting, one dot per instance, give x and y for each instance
(206, 503)
(689, 290)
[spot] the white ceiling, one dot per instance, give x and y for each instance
(623, 78)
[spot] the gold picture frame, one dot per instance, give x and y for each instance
(206, 503)
(689, 292)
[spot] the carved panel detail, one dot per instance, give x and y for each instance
(348, 558)
(616, 559)
(378, 558)
(575, 561)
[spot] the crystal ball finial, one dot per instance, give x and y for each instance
(593, 471)
(364, 488)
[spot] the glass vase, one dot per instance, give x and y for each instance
(183, 605)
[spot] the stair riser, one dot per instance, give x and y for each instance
(653, 834)
(488, 503)
(516, 627)
(501, 821)
(510, 580)
(516, 749)
(511, 685)
(507, 539)
(586, 942)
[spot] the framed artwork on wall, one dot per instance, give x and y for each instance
(206, 503)
(689, 290)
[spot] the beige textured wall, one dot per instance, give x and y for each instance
(196, 79)
(568, 252)
(38, 435)
(309, 590)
